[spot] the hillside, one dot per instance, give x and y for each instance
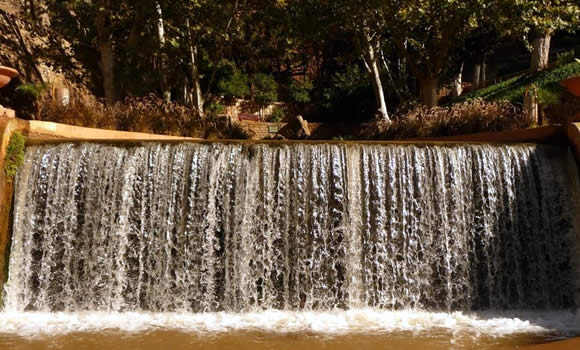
(513, 90)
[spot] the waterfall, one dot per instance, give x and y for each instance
(249, 227)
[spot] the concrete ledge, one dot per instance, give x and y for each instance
(39, 130)
(544, 134)
(7, 112)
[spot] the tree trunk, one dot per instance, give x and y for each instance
(107, 65)
(457, 82)
(395, 86)
(476, 76)
(429, 96)
(219, 51)
(197, 96)
(165, 88)
(403, 73)
(105, 47)
(32, 10)
(376, 78)
(38, 10)
(540, 53)
(483, 78)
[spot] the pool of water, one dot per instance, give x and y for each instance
(354, 329)
(256, 341)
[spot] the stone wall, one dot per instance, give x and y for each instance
(261, 130)
(319, 131)
(241, 108)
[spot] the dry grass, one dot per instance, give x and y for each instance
(464, 118)
(149, 115)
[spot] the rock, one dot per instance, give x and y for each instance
(303, 125)
(7, 113)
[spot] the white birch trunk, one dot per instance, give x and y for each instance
(476, 76)
(373, 65)
(197, 95)
(457, 82)
(166, 91)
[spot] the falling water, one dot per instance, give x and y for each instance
(240, 227)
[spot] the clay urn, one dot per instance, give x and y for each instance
(6, 74)
(572, 84)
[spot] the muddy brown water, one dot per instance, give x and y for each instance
(175, 340)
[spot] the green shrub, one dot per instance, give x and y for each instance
(14, 154)
(278, 115)
(265, 88)
(550, 95)
(215, 108)
(300, 90)
(32, 90)
(350, 93)
(566, 57)
(231, 82)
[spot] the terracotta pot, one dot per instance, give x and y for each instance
(6, 74)
(572, 84)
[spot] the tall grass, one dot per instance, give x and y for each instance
(463, 118)
(148, 114)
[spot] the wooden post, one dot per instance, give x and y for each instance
(531, 106)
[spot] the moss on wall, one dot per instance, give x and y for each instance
(14, 154)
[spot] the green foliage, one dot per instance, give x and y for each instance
(32, 90)
(540, 16)
(215, 108)
(300, 90)
(265, 88)
(14, 154)
(550, 94)
(232, 83)
(235, 48)
(432, 31)
(278, 115)
(347, 83)
(566, 57)
(513, 90)
(350, 93)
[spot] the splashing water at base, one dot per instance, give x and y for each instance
(372, 329)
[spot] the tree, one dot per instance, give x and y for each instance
(537, 20)
(367, 19)
(165, 89)
(232, 83)
(105, 47)
(429, 33)
(264, 88)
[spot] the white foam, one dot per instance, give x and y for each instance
(31, 324)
